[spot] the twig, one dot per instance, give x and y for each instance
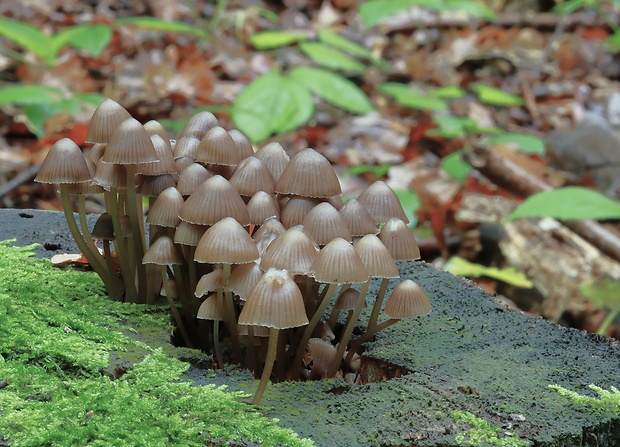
(19, 179)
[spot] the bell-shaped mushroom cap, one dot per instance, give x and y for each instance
(154, 127)
(336, 202)
(275, 302)
(358, 219)
(274, 157)
(189, 234)
(293, 251)
(110, 176)
(106, 119)
(309, 174)
(226, 242)
(96, 152)
(166, 163)
(104, 227)
(407, 300)
(218, 148)
(347, 300)
(64, 163)
(244, 147)
(323, 354)
(339, 263)
(130, 145)
(323, 331)
(243, 279)
(270, 225)
(376, 257)
(295, 210)
(382, 203)
(214, 199)
(263, 243)
(165, 210)
(324, 223)
(198, 125)
(183, 162)
(210, 282)
(399, 240)
(209, 309)
(261, 207)
(186, 147)
(191, 178)
(86, 187)
(163, 252)
(154, 185)
(252, 176)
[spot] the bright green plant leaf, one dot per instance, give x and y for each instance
(410, 202)
(471, 7)
(448, 92)
(28, 37)
(372, 12)
(161, 25)
(344, 44)
(494, 96)
(614, 40)
(329, 57)
(266, 40)
(462, 267)
(376, 170)
(454, 165)
(528, 144)
(94, 99)
(407, 96)
(90, 38)
(604, 293)
(333, 88)
(29, 94)
(452, 126)
(569, 203)
(271, 104)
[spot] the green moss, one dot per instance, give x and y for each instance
(58, 332)
(483, 433)
(607, 401)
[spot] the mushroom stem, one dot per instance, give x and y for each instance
(269, 360)
(301, 347)
(173, 308)
(216, 343)
(376, 308)
(118, 293)
(231, 317)
(137, 226)
(348, 331)
(367, 336)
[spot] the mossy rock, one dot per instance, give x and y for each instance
(471, 373)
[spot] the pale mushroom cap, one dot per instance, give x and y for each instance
(64, 163)
(259, 331)
(186, 147)
(275, 302)
(191, 178)
(96, 152)
(165, 210)
(274, 157)
(324, 223)
(261, 207)
(358, 219)
(376, 257)
(252, 176)
(407, 300)
(226, 242)
(154, 185)
(198, 125)
(110, 176)
(382, 203)
(104, 227)
(295, 210)
(293, 251)
(166, 163)
(189, 234)
(323, 354)
(270, 225)
(243, 279)
(217, 147)
(183, 162)
(210, 282)
(130, 145)
(309, 174)
(244, 147)
(106, 119)
(339, 263)
(214, 199)
(154, 127)
(209, 309)
(399, 240)
(163, 252)
(347, 300)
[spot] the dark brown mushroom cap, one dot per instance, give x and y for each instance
(407, 300)
(226, 242)
(64, 163)
(163, 252)
(275, 302)
(382, 203)
(309, 174)
(104, 122)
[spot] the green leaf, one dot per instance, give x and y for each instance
(38, 114)
(614, 40)
(271, 104)
(472, 8)
(337, 41)
(376, 170)
(161, 25)
(372, 12)
(528, 144)
(93, 99)
(454, 165)
(494, 96)
(29, 94)
(410, 97)
(333, 88)
(604, 293)
(448, 92)
(410, 202)
(452, 126)
(90, 38)
(29, 38)
(459, 266)
(569, 203)
(329, 57)
(266, 40)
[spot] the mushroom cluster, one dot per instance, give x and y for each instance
(260, 260)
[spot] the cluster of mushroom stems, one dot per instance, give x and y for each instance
(260, 260)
